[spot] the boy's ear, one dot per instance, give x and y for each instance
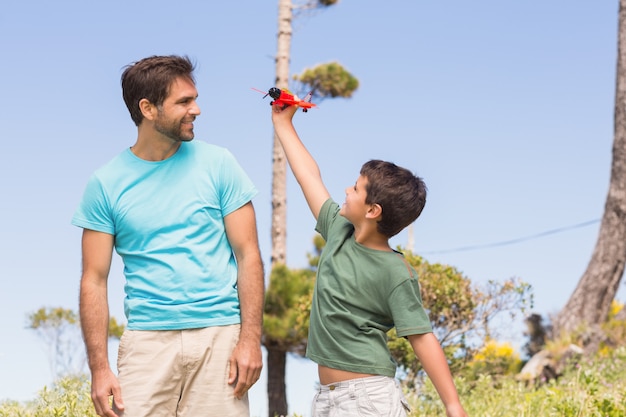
(375, 211)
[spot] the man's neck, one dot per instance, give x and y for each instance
(154, 147)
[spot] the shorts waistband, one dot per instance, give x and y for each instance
(354, 382)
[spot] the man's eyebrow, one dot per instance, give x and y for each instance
(187, 98)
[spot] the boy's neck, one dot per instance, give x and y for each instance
(372, 239)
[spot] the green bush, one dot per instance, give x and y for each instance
(594, 388)
(68, 397)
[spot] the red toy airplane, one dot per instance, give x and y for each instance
(285, 98)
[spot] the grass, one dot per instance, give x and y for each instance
(592, 388)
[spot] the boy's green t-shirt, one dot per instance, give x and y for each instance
(359, 295)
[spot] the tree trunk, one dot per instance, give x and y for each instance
(276, 363)
(276, 391)
(279, 162)
(590, 302)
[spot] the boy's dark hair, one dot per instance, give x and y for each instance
(151, 78)
(401, 194)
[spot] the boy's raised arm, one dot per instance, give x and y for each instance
(304, 167)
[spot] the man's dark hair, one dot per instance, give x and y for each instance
(151, 78)
(401, 194)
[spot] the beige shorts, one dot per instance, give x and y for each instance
(179, 373)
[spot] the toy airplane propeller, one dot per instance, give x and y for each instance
(285, 98)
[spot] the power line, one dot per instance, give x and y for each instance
(512, 241)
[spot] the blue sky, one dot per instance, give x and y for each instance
(504, 108)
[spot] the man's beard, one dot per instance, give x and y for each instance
(172, 129)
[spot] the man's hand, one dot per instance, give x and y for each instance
(246, 363)
(104, 384)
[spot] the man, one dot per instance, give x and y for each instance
(180, 215)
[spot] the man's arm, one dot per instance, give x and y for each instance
(246, 360)
(97, 251)
(431, 356)
(302, 164)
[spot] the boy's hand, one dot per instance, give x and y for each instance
(281, 114)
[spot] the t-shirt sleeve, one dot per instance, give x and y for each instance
(236, 187)
(94, 210)
(409, 315)
(327, 214)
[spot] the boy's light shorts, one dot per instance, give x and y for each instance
(361, 397)
(179, 373)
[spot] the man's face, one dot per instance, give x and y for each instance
(176, 115)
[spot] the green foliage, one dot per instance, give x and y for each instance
(59, 328)
(68, 397)
(300, 6)
(326, 3)
(401, 351)
(462, 315)
(287, 301)
(56, 317)
(329, 80)
(115, 329)
(447, 295)
(614, 328)
(288, 304)
(610, 334)
(318, 244)
(596, 388)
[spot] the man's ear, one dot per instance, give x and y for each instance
(375, 211)
(148, 109)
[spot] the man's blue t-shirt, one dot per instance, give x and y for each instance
(168, 221)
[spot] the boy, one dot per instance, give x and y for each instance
(364, 288)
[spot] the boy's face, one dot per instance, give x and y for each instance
(354, 208)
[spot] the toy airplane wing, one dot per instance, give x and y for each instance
(304, 104)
